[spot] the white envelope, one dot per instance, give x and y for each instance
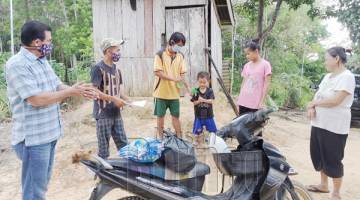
(141, 103)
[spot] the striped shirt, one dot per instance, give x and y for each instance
(108, 80)
(27, 75)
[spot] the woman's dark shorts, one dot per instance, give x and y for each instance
(327, 151)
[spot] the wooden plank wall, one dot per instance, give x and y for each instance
(116, 19)
(99, 26)
(198, 41)
(191, 22)
(142, 30)
(158, 23)
(216, 46)
(148, 28)
(174, 3)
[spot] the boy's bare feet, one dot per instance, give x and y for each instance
(335, 196)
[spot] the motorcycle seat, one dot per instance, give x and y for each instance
(157, 169)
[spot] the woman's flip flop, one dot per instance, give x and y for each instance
(315, 188)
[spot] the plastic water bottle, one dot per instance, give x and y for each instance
(179, 85)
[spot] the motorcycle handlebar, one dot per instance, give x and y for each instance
(268, 111)
(264, 113)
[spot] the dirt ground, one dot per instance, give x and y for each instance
(289, 131)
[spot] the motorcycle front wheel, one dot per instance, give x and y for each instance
(299, 192)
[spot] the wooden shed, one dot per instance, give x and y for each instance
(146, 26)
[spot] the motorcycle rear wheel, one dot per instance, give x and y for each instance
(132, 198)
(300, 190)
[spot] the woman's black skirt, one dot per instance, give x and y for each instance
(327, 151)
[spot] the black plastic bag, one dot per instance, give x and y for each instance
(178, 154)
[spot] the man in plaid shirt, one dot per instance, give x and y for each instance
(34, 93)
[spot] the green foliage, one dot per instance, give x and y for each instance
(290, 90)
(74, 38)
(348, 12)
(3, 58)
(249, 8)
(4, 103)
(71, 23)
(292, 47)
(70, 20)
(237, 82)
(354, 61)
(79, 73)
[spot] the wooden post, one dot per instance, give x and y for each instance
(232, 57)
(12, 27)
(221, 83)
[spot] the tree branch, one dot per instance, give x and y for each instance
(273, 20)
(27, 10)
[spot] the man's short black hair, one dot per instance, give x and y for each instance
(176, 38)
(203, 74)
(33, 30)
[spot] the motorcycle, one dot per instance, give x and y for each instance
(260, 171)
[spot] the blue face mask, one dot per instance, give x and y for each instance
(176, 48)
(115, 57)
(45, 49)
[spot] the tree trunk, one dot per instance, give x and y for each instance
(260, 19)
(273, 20)
(73, 61)
(2, 14)
(75, 10)
(27, 10)
(264, 34)
(62, 60)
(66, 74)
(62, 3)
(1, 45)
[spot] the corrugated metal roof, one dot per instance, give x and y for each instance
(225, 12)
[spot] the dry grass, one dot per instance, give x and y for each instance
(81, 155)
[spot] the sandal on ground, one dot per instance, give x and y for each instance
(316, 189)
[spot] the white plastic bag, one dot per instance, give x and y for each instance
(217, 144)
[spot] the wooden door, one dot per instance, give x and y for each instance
(191, 22)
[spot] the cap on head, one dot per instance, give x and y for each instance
(110, 42)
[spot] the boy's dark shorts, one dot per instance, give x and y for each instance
(161, 105)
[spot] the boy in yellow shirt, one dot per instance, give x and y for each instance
(169, 70)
